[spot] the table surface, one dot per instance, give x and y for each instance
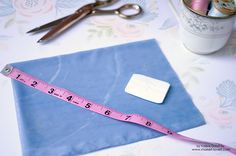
(209, 79)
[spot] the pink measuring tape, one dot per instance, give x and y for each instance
(76, 100)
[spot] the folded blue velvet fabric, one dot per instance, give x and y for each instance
(51, 127)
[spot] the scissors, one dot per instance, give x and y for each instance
(60, 25)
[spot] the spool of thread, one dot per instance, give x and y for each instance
(227, 7)
(200, 6)
(214, 12)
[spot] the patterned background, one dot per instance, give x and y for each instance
(209, 79)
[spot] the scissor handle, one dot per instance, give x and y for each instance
(121, 11)
(103, 3)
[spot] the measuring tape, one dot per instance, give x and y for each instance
(79, 101)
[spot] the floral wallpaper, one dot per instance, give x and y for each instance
(213, 93)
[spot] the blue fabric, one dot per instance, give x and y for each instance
(52, 127)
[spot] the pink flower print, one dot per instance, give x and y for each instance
(129, 30)
(222, 117)
(101, 21)
(32, 8)
(216, 115)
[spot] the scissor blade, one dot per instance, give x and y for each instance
(48, 25)
(62, 26)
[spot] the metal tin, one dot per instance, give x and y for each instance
(219, 9)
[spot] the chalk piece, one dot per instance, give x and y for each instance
(147, 88)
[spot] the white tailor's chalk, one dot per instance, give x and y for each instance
(147, 88)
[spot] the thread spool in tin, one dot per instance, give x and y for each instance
(225, 6)
(213, 12)
(200, 6)
(222, 8)
(212, 8)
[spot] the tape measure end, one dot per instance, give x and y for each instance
(7, 70)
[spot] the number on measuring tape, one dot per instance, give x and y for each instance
(51, 90)
(69, 98)
(34, 83)
(88, 105)
(128, 117)
(148, 123)
(169, 132)
(107, 112)
(18, 76)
